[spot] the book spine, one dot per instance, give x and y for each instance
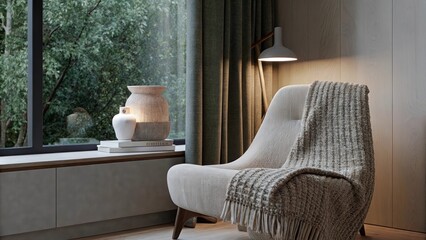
(155, 144)
(135, 149)
(136, 144)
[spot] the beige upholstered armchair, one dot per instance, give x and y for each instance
(201, 190)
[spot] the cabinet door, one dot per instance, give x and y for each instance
(27, 201)
(107, 191)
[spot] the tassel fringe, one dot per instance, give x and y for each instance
(279, 227)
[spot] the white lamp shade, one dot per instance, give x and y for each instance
(277, 53)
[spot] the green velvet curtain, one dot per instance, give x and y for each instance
(223, 94)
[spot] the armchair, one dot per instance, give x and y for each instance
(202, 190)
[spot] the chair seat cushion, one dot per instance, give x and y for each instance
(200, 189)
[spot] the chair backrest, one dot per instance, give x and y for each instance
(278, 131)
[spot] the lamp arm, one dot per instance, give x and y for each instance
(264, 38)
(262, 82)
(255, 45)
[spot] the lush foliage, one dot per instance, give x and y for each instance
(92, 49)
(13, 72)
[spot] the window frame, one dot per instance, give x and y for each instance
(35, 92)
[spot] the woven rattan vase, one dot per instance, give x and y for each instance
(152, 112)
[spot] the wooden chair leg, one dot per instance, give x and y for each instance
(362, 230)
(182, 216)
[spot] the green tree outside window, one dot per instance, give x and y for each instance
(92, 50)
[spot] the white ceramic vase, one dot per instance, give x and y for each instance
(124, 124)
(152, 112)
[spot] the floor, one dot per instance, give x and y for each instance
(226, 231)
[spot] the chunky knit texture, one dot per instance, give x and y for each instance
(324, 188)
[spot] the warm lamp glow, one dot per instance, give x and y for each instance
(277, 53)
(278, 59)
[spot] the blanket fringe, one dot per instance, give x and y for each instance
(279, 227)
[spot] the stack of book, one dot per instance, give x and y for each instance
(116, 146)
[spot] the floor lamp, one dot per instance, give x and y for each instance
(276, 53)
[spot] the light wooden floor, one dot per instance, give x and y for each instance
(226, 231)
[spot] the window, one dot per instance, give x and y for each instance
(13, 73)
(82, 56)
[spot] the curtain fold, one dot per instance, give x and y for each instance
(223, 94)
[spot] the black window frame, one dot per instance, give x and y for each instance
(35, 92)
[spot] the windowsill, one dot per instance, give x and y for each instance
(66, 159)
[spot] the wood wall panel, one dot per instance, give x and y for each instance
(367, 58)
(311, 29)
(379, 43)
(351, 41)
(324, 40)
(409, 126)
(293, 18)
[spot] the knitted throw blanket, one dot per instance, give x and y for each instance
(324, 188)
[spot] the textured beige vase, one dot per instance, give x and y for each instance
(152, 112)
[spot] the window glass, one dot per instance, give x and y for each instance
(94, 49)
(13, 73)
